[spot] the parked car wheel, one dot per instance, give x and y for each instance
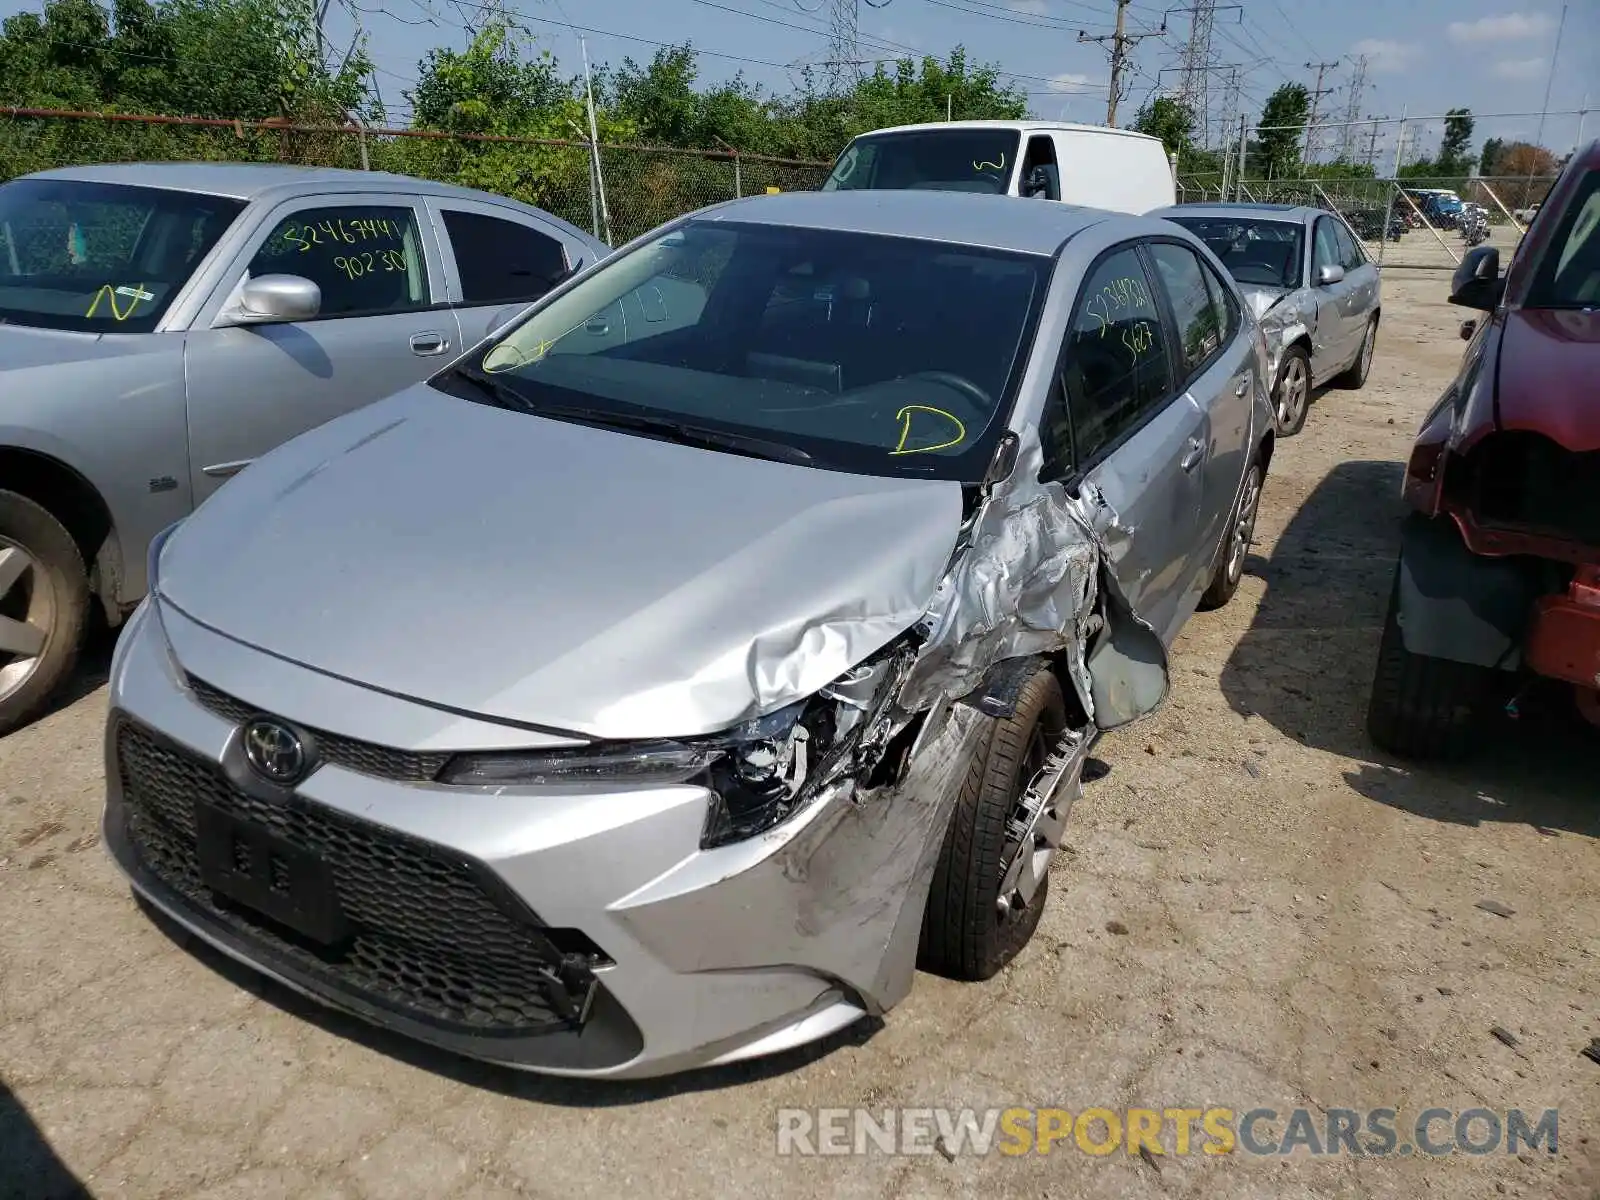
(1291, 396)
(1356, 376)
(44, 604)
(966, 932)
(1236, 542)
(1423, 707)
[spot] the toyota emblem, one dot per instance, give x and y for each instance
(275, 751)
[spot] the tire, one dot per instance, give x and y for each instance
(43, 586)
(1423, 707)
(1356, 376)
(964, 934)
(1236, 541)
(1294, 374)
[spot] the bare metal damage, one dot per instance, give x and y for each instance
(1285, 317)
(1032, 576)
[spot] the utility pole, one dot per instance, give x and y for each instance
(1317, 93)
(1238, 179)
(1121, 43)
(1197, 64)
(1400, 145)
(1352, 110)
(1372, 141)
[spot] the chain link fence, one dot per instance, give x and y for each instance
(639, 186)
(1396, 220)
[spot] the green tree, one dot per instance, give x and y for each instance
(1276, 152)
(493, 86)
(1172, 121)
(1489, 160)
(1454, 157)
(661, 100)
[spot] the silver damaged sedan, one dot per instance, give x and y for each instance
(667, 679)
(1316, 293)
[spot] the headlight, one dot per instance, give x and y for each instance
(755, 771)
(758, 773)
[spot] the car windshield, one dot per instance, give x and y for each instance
(864, 353)
(1262, 252)
(98, 256)
(1569, 276)
(947, 160)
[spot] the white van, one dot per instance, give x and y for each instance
(1091, 165)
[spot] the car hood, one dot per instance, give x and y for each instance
(1260, 297)
(1549, 360)
(557, 575)
(23, 347)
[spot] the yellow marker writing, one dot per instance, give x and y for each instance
(904, 417)
(999, 166)
(109, 295)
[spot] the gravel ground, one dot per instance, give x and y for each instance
(1255, 910)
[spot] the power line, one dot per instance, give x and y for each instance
(1121, 43)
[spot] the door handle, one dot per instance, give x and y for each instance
(428, 344)
(598, 326)
(1193, 455)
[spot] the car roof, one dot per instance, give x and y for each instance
(1257, 212)
(1027, 226)
(273, 181)
(1011, 126)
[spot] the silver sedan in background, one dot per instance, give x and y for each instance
(663, 681)
(1310, 285)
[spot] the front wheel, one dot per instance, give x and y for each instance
(1423, 707)
(969, 928)
(44, 606)
(1292, 395)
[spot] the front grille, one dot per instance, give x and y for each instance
(1523, 481)
(406, 766)
(427, 938)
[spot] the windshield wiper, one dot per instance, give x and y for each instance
(674, 430)
(504, 395)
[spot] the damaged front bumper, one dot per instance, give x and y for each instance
(573, 929)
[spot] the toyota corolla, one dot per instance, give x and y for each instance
(664, 681)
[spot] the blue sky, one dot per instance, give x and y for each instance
(1492, 56)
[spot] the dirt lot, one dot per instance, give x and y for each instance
(1255, 911)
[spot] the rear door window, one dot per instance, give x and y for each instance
(502, 261)
(1200, 326)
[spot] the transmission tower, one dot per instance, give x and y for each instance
(1196, 61)
(1352, 110)
(844, 19)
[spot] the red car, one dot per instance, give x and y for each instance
(1499, 571)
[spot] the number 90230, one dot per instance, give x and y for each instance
(371, 262)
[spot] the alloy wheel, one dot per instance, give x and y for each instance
(1244, 525)
(27, 614)
(1294, 389)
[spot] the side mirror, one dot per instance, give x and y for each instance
(275, 299)
(504, 317)
(1477, 283)
(1329, 274)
